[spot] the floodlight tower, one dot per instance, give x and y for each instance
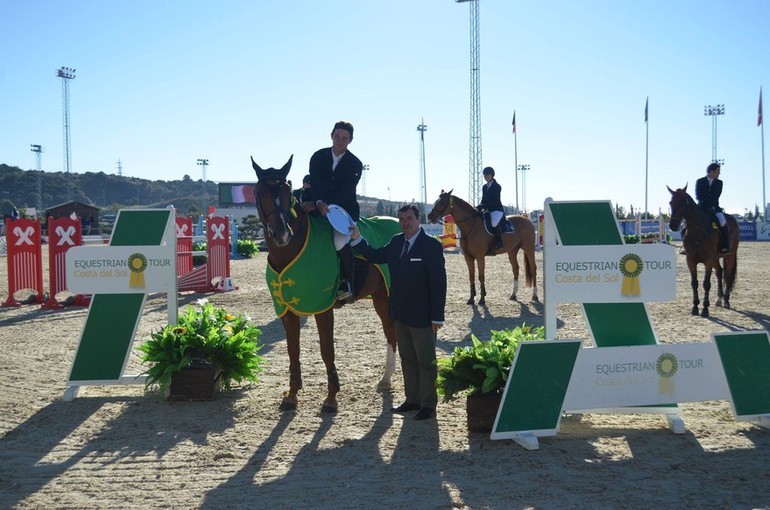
(714, 111)
(422, 128)
(66, 74)
(204, 163)
(38, 150)
(120, 168)
(524, 169)
(363, 179)
(474, 153)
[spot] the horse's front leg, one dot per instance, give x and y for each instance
(720, 291)
(694, 285)
(325, 323)
(706, 288)
(481, 262)
(291, 326)
(471, 276)
(513, 256)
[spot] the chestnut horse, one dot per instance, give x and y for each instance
(285, 233)
(475, 242)
(701, 245)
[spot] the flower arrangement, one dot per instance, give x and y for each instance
(204, 334)
(482, 367)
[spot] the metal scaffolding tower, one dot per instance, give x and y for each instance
(66, 74)
(474, 153)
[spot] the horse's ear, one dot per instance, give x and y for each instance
(685, 188)
(669, 189)
(450, 191)
(285, 170)
(256, 168)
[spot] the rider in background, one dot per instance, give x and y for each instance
(708, 189)
(490, 201)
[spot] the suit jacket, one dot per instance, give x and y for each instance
(490, 197)
(417, 282)
(708, 196)
(338, 186)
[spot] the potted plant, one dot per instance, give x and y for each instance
(208, 348)
(480, 371)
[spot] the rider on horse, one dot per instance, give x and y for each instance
(707, 192)
(490, 202)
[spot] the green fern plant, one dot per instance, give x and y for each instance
(204, 335)
(482, 368)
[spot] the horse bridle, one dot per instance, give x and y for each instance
(688, 203)
(449, 207)
(274, 188)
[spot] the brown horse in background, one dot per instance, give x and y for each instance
(475, 242)
(285, 232)
(701, 245)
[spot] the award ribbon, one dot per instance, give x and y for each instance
(631, 266)
(666, 366)
(137, 263)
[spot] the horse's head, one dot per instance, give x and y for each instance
(681, 203)
(273, 198)
(441, 206)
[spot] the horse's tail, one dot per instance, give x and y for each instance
(530, 269)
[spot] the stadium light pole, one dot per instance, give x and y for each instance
(524, 169)
(422, 128)
(204, 163)
(714, 112)
(38, 150)
(66, 74)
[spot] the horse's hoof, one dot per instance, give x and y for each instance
(704, 312)
(513, 297)
(469, 302)
(482, 302)
(718, 303)
(535, 299)
(329, 407)
(384, 386)
(727, 305)
(288, 404)
(694, 310)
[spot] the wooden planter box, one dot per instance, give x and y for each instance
(482, 411)
(198, 382)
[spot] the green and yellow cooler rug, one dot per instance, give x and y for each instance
(308, 285)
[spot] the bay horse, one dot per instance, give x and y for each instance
(475, 242)
(286, 228)
(701, 245)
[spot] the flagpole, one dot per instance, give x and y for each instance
(646, 151)
(516, 160)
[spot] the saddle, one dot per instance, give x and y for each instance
(505, 226)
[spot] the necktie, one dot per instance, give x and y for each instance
(406, 250)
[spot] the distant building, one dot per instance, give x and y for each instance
(88, 214)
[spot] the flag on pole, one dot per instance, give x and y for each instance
(646, 104)
(514, 122)
(759, 114)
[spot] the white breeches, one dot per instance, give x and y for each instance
(721, 217)
(495, 217)
(340, 240)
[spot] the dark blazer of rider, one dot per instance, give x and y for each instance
(417, 281)
(336, 186)
(490, 197)
(708, 195)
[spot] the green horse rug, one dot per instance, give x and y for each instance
(308, 285)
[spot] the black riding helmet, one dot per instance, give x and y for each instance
(489, 171)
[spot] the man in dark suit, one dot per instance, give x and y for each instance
(490, 202)
(708, 189)
(334, 175)
(417, 299)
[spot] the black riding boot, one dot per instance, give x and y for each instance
(724, 240)
(499, 236)
(347, 273)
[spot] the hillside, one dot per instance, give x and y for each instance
(18, 188)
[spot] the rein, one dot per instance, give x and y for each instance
(450, 206)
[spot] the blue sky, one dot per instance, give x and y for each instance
(160, 84)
